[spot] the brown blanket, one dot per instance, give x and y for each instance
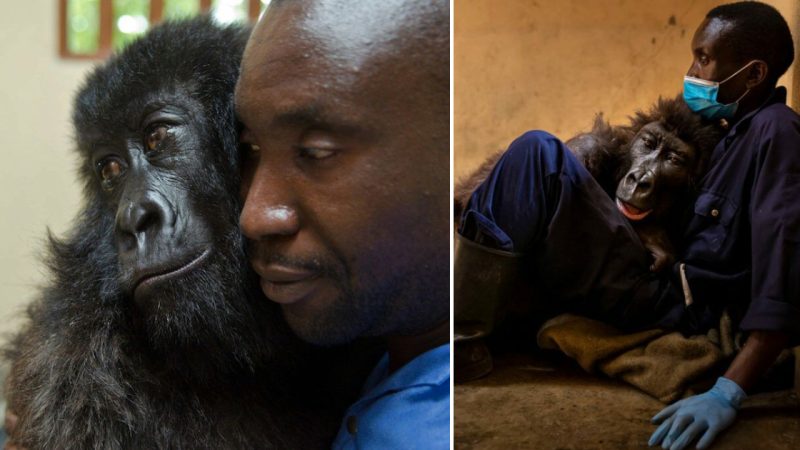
(662, 363)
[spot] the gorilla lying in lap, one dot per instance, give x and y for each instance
(649, 167)
(152, 332)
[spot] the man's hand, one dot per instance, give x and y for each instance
(707, 413)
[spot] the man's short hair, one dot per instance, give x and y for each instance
(759, 32)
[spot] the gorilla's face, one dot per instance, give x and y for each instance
(152, 176)
(165, 176)
(662, 166)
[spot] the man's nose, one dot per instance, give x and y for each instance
(694, 70)
(269, 207)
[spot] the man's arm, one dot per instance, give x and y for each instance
(759, 352)
(712, 412)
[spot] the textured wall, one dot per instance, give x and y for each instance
(526, 64)
(37, 176)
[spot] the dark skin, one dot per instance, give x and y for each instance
(331, 176)
(712, 60)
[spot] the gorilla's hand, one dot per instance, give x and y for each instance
(655, 240)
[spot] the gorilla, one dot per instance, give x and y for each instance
(152, 331)
(650, 167)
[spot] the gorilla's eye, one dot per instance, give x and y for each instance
(154, 136)
(675, 159)
(109, 169)
(649, 142)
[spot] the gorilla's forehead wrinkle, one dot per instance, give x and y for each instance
(180, 102)
(171, 105)
(669, 136)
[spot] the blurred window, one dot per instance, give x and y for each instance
(92, 29)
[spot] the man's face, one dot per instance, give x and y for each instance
(714, 61)
(346, 176)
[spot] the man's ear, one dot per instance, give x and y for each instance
(756, 74)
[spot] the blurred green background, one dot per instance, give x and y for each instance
(131, 18)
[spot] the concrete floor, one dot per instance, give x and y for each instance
(536, 402)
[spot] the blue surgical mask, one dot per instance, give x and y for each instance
(701, 96)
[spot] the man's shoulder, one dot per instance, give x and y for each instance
(416, 417)
(408, 409)
(431, 368)
(776, 118)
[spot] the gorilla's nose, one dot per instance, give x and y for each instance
(640, 182)
(140, 221)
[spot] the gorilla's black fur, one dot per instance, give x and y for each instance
(608, 153)
(209, 363)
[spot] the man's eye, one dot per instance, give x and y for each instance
(154, 136)
(315, 153)
(109, 169)
(249, 152)
(250, 148)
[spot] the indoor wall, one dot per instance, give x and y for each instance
(38, 187)
(552, 65)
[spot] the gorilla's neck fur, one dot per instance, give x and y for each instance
(218, 326)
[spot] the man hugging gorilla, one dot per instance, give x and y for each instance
(152, 331)
(651, 167)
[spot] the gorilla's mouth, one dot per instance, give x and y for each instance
(148, 278)
(631, 212)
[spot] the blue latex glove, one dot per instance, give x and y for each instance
(707, 413)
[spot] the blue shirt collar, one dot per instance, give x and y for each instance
(429, 368)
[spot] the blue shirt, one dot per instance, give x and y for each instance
(743, 241)
(408, 409)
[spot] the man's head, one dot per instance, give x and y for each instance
(748, 35)
(345, 107)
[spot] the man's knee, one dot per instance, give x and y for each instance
(537, 151)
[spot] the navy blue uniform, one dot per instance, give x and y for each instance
(742, 244)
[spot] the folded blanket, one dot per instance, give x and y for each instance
(662, 363)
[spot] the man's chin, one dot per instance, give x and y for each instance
(325, 328)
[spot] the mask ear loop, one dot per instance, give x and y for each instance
(742, 96)
(738, 71)
(733, 75)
